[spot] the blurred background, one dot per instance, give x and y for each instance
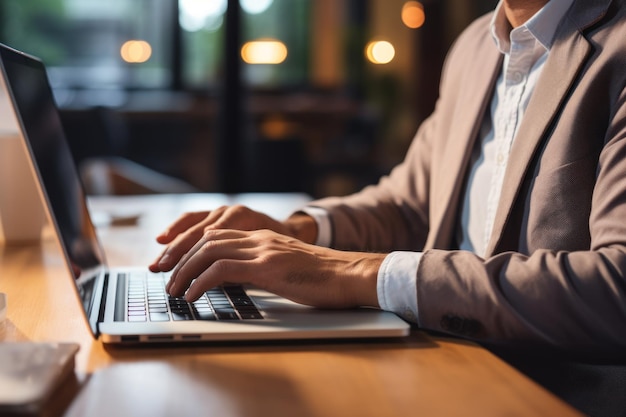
(318, 96)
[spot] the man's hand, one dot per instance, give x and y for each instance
(181, 235)
(281, 264)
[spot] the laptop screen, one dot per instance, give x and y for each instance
(28, 85)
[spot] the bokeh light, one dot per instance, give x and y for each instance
(136, 51)
(380, 52)
(264, 51)
(413, 15)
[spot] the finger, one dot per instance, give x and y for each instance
(177, 249)
(202, 256)
(191, 227)
(182, 224)
(213, 246)
(163, 263)
(170, 284)
(226, 270)
(154, 265)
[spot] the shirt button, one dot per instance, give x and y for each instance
(500, 159)
(408, 314)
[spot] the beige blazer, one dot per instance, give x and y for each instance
(555, 271)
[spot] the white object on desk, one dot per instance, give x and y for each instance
(30, 372)
(22, 216)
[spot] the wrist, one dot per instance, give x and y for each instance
(362, 282)
(302, 227)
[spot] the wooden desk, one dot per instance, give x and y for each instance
(420, 375)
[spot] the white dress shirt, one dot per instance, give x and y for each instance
(525, 50)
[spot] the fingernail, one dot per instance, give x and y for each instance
(188, 297)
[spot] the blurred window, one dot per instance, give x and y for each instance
(130, 44)
(81, 40)
(285, 21)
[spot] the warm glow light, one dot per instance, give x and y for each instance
(413, 14)
(380, 52)
(136, 52)
(264, 51)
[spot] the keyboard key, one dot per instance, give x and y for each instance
(157, 303)
(242, 301)
(159, 317)
(220, 301)
(137, 313)
(226, 314)
(182, 316)
(217, 297)
(178, 304)
(205, 315)
(221, 304)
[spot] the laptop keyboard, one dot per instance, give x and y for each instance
(148, 301)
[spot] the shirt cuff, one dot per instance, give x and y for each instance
(324, 228)
(396, 284)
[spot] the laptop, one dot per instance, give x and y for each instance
(130, 305)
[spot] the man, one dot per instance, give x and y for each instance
(506, 222)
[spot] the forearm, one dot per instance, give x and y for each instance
(358, 272)
(360, 278)
(394, 277)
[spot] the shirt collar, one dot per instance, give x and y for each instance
(542, 25)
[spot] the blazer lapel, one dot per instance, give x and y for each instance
(473, 103)
(567, 57)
